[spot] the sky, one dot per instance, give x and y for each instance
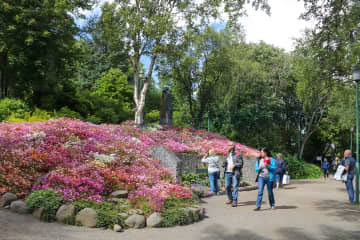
(278, 29)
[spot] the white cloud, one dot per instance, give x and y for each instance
(280, 28)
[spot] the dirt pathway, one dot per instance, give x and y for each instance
(307, 210)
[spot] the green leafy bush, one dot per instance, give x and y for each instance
(299, 169)
(107, 212)
(48, 200)
(152, 117)
(174, 213)
(15, 107)
(67, 112)
(173, 217)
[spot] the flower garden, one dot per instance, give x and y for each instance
(85, 162)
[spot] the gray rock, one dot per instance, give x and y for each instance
(123, 215)
(7, 198)
(37, 213)
(19, 206)
(136, 221)
(154, 220)
(117, 228)
(120, 194)
(136, 211)
(114, 200)
(65, 211)
(189, 215)
(87, 217)
(196, 213)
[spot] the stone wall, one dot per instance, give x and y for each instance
(186, 162)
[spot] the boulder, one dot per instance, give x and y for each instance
(87, 217)
(114, 200)
(7, 198)
(64, 212)
(189, 215)
(136, 211)
(123, 215)
(37, 212)
(117, 228)
(120, 194)
(19, 206)
(154, 220)
(136, 221)
(196, 213)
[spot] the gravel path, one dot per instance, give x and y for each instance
(307, 210)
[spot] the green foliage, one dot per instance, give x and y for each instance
(108, 213)
(300, 169)
(174, 217)
(152, 117)
(194, 178)
(46, 199)
(67, 112)
(14, 107)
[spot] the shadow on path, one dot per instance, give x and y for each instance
(218, 232)
(347, 212)
(329, 233)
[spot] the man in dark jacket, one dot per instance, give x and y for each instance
(280, 170)
(232, 166)
(349, 164)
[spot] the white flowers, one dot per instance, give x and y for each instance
(36, 135)
(103, 158)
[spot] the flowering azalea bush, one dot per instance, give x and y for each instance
(183, 140)
(84, 161)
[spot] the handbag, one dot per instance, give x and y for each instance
(286, 179)
(339, 173)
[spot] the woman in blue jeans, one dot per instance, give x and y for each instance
(213, 163)
(265, 166)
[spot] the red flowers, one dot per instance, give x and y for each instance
(196, 166)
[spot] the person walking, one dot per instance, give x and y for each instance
(349, 163)
(265, 167)
(280, 170)
(334, 165)
(325, 165)
(233, 167)
(213, 163)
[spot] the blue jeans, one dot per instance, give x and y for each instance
(261, 184)
(279, 177)
(232, 180)
(350, 187)
(213, 178)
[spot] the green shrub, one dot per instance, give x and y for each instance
(67, 112)
(15, 107)
(152, 117)
(107, 212)
(299, 169)
(173, 217)
(48, 200)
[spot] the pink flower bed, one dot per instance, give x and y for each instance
(184, 140)
(87, 161)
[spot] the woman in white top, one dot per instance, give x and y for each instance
(213, 163)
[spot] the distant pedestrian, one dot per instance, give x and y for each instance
(334, 165)
(233, 167)
(266, 167)
(349, 163)
(325, 165)
(280, 170)
(213, 163)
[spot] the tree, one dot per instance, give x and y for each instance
(36, 46)
(313, 90)
(150, 27)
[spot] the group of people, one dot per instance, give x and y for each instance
(268, 169)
